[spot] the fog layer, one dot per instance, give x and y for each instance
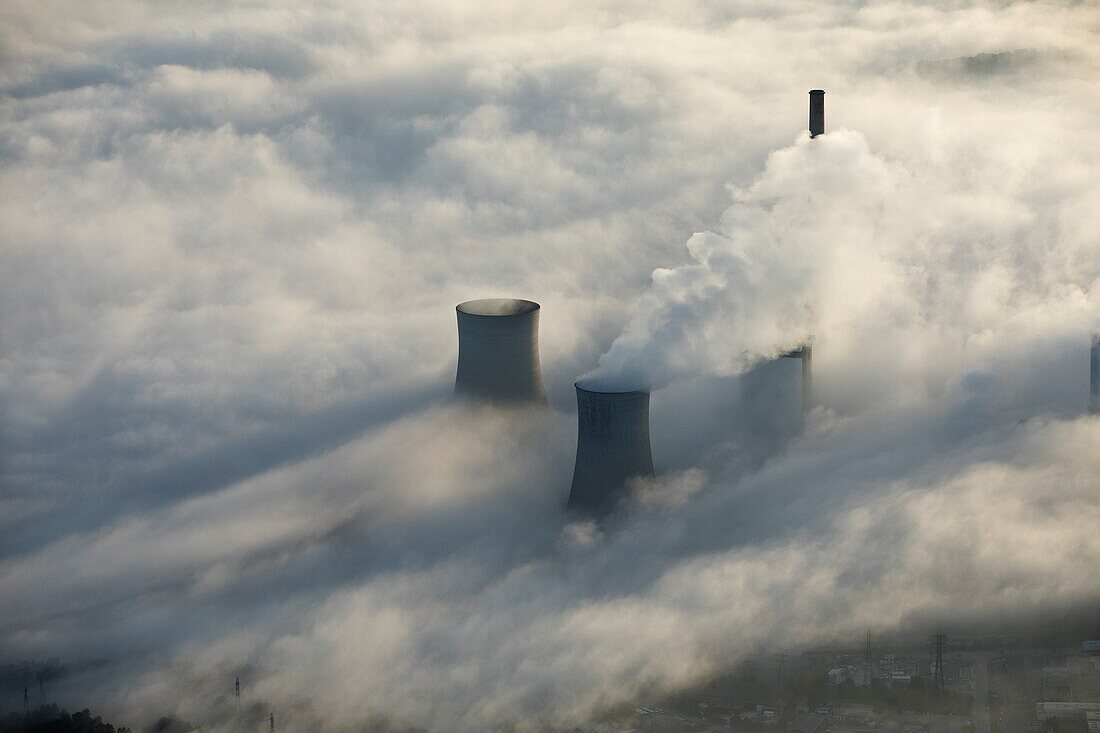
(232, 240)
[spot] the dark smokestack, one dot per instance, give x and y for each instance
(1094, 374)
(817, 112)
(498, 351)
(612, 447)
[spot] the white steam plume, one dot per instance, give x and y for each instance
(836, 242)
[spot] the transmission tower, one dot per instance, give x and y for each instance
(937, 674)
(272, 723)
(867, 661)
(237, 692)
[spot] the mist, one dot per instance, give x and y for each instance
(232, 243)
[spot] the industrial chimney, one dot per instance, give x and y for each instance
(612, 447)
(1094, 375)
(817, 112)
(498, 352)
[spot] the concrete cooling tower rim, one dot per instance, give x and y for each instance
(591, 390)
(497, 307)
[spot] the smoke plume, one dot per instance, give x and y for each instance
(841, 244)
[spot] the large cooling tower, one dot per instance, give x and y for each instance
(612, 447)
(498, 351)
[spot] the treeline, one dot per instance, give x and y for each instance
(51, 719)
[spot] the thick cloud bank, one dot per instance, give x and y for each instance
(231, 242)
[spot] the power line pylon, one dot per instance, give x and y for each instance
(937, 674)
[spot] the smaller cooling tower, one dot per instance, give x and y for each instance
(805, 353)
(612, 447)
(817, 112)
(1094, 374)
(498, 352)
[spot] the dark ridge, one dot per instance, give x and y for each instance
(981, 65)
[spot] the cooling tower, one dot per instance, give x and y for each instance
(806, 354)
(817, 112)
(1094, 374)
(498, 352)
(612, 447)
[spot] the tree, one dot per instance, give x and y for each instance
(50, 719)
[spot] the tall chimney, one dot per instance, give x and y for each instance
(498, 352)
(817, 112)
(612, 447)
(1094, 375)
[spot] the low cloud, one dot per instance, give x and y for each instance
(232, 246)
